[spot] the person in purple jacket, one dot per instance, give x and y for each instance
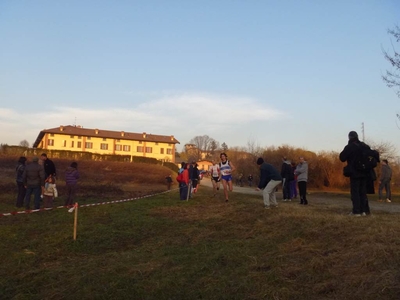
(71, 180)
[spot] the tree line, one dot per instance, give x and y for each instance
(325, 168)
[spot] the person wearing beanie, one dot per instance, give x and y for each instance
(384, 181)
(353, 135)
(71, 180)
(352, 154)
(269, 180)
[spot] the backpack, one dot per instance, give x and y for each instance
(367, 160)
(179, 178)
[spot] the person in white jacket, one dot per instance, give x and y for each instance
(49, 192)
(302, 177)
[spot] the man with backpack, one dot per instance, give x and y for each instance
(361, 161)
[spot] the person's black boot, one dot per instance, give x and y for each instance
(305, 202)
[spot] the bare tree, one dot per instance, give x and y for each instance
(224, 146)
(254, 148)
(392, 78)
(202, 146)
(24, 143)
(386, 150)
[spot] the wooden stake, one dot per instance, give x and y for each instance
(188, 193)
(75, 220)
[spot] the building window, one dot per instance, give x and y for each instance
(127, 148)
(88, 138)
(161, 150)
(88, 145)
(50, 143)
(79, 137)
(118, 147)
(72, 144)
(71, 136)
(169, 151)
(139, 149)
(104, 139)
(79, 145)
(149, 150)
(51, 134)
(103, 146)
(64, 143)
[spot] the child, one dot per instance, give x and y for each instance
(49, 192)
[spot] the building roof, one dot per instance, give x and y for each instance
(80, 131)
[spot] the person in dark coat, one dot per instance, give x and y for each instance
(33, 178)
(48, 165)
(352, 153)
(169, 181)
(287, 175)
(269, 180)
(19, 170)
(195, 177)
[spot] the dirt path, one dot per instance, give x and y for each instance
(320, 198)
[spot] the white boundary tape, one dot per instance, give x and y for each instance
(84, 205)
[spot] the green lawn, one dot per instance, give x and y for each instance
(162, 248)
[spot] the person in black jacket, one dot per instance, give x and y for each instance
(48, 165)
(287, 175)
(352, 153)
(20, 168)
(269, 179)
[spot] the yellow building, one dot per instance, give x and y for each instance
(77, 138)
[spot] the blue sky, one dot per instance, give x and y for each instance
(301, 73)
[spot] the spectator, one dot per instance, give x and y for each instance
(352, 153)
(384, 181)
(169, 181)
(287, 175)
(71, 180)
(49, 167)
(269, 180)
(33, 178)
(241, 179)
(293, 183)
(195, 177)
(19, 170)
(250, 180)
(50, 192)
(302, 177)
(184, 184)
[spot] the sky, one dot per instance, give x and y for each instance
(267, 73)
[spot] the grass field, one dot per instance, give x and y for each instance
(162, 248)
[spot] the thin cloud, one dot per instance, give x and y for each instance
(184, 115)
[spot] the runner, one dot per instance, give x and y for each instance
(215, 173)
(226, 168)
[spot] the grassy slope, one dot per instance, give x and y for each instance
(161, 248)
